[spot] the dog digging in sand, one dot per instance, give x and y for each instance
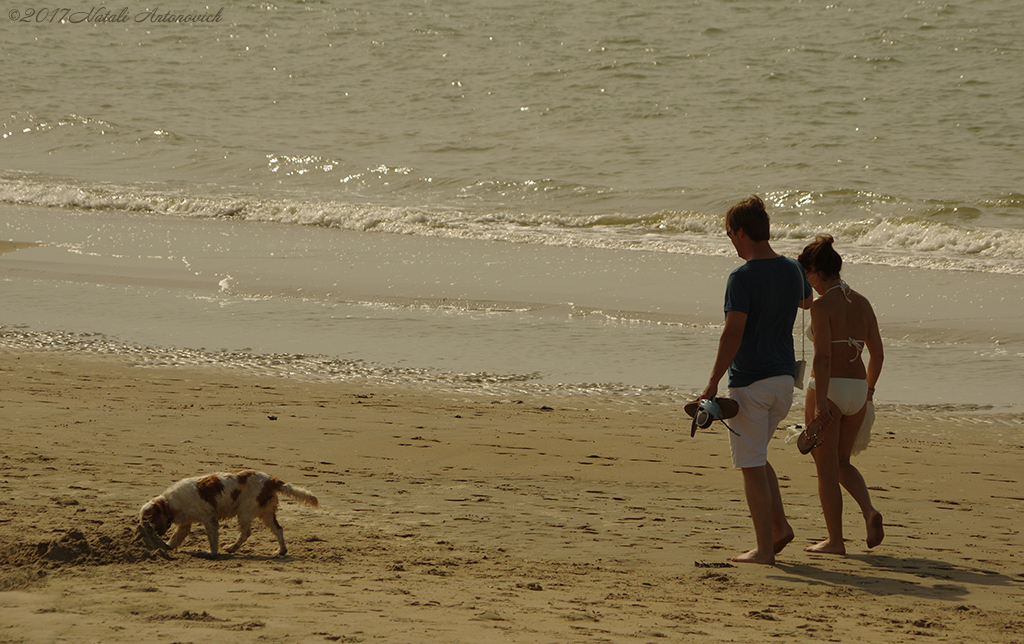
(247, 494)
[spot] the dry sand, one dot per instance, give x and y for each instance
(456, 519)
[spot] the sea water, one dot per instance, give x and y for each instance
(508, 197)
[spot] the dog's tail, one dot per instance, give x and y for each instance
(299, 494)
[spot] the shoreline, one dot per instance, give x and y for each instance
(470, 518)
(423, 305)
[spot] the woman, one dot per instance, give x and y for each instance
(843, 324)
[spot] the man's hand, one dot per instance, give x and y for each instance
(709, 392)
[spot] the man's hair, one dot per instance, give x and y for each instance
(750, 216)
(821, 257)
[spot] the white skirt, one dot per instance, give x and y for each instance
(864, 433)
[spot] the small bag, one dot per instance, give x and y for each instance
(798, 373)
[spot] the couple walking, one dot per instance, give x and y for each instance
(756, 348)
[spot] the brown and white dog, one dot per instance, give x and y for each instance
(247, 494)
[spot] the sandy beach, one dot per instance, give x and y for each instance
(445, 519)
(456, 268)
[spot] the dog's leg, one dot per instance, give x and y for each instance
(179, 535)
(213, 532)
(270, 520)
(244, 530)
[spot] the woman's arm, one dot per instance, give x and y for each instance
(822, 329)
(877, 354)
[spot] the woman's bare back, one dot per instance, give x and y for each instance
(852, 323)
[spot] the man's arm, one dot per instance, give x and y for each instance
(728, 346)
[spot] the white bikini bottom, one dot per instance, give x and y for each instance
(849, 394)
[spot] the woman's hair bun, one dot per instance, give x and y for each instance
(821, 257)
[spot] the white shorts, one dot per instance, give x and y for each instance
(763, 405)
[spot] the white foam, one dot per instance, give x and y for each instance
(892, 240)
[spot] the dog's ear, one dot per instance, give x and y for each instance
(152, 510)
(157, 514)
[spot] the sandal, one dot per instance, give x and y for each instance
(806, 442)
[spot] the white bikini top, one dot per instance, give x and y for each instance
(853, 342)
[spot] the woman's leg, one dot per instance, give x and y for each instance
(826, 461)
(850, 478)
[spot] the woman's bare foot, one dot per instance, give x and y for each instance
(876, 529)
(826, 547)
(754, 556)
(783, 540)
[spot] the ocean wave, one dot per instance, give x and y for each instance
(875, 230)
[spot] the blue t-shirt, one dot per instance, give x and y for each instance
(769, 292)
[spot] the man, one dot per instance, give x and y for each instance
(756, 346)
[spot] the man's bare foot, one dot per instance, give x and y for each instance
(876, 530)
(783, 540)
(826, 547)
(754, 556)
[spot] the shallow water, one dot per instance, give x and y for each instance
(525, 190)
(331, 304)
